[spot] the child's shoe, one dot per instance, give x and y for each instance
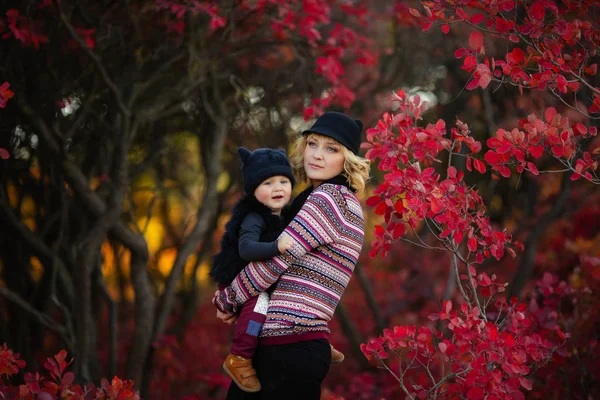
(241, 371)
(336, 355)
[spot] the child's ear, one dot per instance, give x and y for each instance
(244, 154)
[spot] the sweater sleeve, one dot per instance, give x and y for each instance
(249, 245)
(315, 225)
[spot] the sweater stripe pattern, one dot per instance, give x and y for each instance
(328, 235)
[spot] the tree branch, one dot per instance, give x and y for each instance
(97, 61)
(212, 162)
(40, 249)
(40, 317)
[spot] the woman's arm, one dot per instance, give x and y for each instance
(318, 223)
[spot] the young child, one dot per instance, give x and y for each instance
(251, 235)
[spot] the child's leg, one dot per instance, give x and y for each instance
(238, 364)
(249, 324)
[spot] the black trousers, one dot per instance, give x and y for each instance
(292, 371)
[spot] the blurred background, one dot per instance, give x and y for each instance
(123, 136)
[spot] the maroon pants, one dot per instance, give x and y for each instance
(249, 324)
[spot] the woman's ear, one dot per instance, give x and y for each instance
(244, 154)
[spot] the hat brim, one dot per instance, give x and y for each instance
(322, 130)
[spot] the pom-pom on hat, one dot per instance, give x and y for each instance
(262, 164)
(340, 127)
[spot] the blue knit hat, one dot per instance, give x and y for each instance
(340, 127)
(262, 164)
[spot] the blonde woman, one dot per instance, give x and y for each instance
(308, 280)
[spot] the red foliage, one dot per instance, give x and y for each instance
(58, 384)
(474, 353)
(559, 43)
(409, 195)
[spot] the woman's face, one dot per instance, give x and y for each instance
(323, 159)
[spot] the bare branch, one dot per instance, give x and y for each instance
(40, 249)
(97, 61)
(212, 168)
(39, 316)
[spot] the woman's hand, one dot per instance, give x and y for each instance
(226, 318)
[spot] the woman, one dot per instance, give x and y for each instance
(293, 356)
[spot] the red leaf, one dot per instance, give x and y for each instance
(399, 206)
(452, 172)
(446, 28)
(491, 157)
(485, 75)
(484, 279)
(579, 129)
(443, 346)
(477, 18)
(479, 166)
(474, 84)
(592, 69)
(595, 107)
(4, 154)
(414, 12)
(558, 151)
(550, 112)
(373, 201)
(399, 230)
(447, 306)
(469, 63)
(437, 205)
(532, 168)
(68, 378)
(536, 151)
(504, 171)
(476, 41)
(525, 383)
(475, 394)
(561, 82)
(472, 244)
(380, 209)
(573, 86)
(537, 10)
(515, 56)
(460, 53)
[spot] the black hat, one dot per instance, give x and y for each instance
(262, 164)
(340, 127)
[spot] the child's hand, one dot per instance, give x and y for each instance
(285, 243)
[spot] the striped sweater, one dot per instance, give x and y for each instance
(328, 235)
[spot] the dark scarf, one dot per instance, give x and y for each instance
(298, 202)
(228, 262)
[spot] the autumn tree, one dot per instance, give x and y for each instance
(489, 347)
(101, 98)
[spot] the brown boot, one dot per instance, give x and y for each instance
(241, 371)
(336, 356)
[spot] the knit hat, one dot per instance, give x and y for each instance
(340, 127)
(262, 164)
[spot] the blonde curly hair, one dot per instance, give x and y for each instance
(356, 168)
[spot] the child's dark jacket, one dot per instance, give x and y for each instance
(253, 229)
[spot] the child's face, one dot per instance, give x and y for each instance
(274, 192)
(323, 159)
